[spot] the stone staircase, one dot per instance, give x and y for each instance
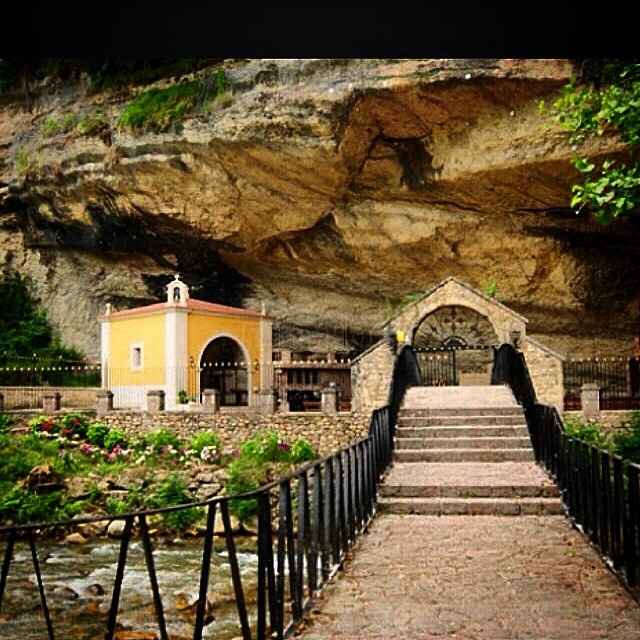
(465, 450)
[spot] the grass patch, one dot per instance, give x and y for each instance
(160, 109)
(92, 124)
(53, 126)
(24, 162)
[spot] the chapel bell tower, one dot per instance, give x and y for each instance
(177, 293)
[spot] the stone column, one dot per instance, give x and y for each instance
(51, 402)
(590, 398)
(211, 401)
(155, 401)
(267, 402)
(329, 399)
(104, 401)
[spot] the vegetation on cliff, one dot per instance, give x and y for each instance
(25, 331)
(159, 109)
(605, 102)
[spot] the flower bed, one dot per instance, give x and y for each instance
(62, 466)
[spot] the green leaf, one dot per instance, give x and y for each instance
(581, 164)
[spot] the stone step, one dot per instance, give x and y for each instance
(462, 432)
(468, 491)
(459, 396)
(461, 411)
(444, 421)
(471, 506)
(464, 455)
(463, 443)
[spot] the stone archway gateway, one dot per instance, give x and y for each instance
(454, 346)
(438, 303)
(224, 366)
(454, 314)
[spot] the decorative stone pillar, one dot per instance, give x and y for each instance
(104, 401)
(155, 401)
(329, 399)
(211, 401)
(51, 402)
(590, 398)
(267, 402)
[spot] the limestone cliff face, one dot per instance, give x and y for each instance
(328, 189)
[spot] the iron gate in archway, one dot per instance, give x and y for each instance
(454, 364)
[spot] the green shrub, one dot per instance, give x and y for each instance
(97, 433)
(160, 438)
(20, 455)
(302, 451)
(245, 474)
(113, 438)
(74, 424)
(21, 506)
(205, 439)
(159, 109)
(5, 422)
(133, 501)
(265, 446)
(183, 396)
(590, 432)
(43, 424)
(170, 492)
(626, 442)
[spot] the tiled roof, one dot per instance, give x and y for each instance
(192, 305)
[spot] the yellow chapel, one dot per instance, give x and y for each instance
(183, 346)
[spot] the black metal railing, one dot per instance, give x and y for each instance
(406, 373)
(317, 512)
(510, 368)
(618, 378)
(335, 501)
(600, 491)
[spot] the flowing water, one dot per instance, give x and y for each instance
(79, 579)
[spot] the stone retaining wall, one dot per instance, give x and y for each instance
(545, 369)
(608, 419)
(326, 433)
(371, 374)
(31, 397)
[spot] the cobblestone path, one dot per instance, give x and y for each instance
(474, 578)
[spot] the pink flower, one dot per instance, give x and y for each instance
(86, 448)
(283, 446)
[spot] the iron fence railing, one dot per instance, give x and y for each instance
(335, 499)
(618, 378)
(510, 368)
(600, 491)
(317, 512)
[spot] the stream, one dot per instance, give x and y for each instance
(79, 579)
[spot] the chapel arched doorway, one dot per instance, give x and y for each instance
(224, 366)
(453, 344)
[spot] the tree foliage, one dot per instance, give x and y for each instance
(604, 102)
(24, 328)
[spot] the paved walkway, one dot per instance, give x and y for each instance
(475, 578)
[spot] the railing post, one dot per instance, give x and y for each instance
(605, 503)
(618, 512)
(631, 527)
(595, 495)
